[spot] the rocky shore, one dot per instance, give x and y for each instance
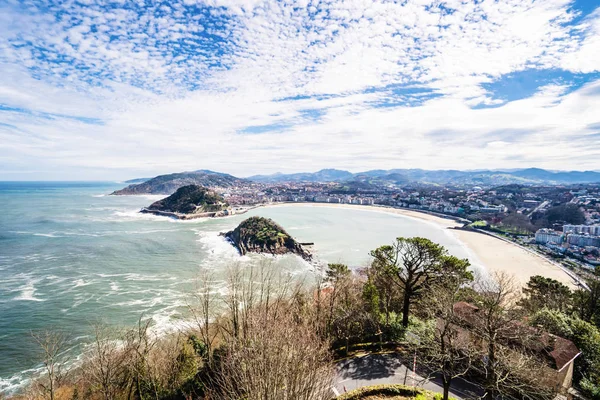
(263, 235)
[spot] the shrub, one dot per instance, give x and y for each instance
(384, 390)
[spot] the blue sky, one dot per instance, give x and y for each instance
(117, 89)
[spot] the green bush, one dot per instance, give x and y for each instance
(386, 390)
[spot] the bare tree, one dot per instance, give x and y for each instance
(139, 343)
(448, 352)
(105, 364)
(205, 311)
(53, 344)
(279, 358)
(507, 362)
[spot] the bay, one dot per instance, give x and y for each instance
(71, 255)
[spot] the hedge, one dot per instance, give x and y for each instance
(389, 390)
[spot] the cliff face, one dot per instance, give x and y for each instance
(191, 199)
(263, 235)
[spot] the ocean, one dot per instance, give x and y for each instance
(71, 255)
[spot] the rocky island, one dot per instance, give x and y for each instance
(188, 202)
(263, 235)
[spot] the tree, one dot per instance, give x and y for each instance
(446, 352)
(543, 292)
(506, 371)
(382, 295)
(204, 311)
(587, 339)
(586, 303)
(348, 316)
(278, 354)
(105, 367)
(519, 222)
(53, 345)
(415, 263)
(567, 213)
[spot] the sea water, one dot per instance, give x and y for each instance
(70, 255)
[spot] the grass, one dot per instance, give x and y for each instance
(479, 224)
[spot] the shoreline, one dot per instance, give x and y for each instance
(495, 254)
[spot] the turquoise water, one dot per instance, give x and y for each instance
(70, 255)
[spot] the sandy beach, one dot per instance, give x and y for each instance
(495, 254)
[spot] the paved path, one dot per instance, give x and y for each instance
(377, 369)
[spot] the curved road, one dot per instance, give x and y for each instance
(377, 369)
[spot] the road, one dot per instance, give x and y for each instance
(377, 369)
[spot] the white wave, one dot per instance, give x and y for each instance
(98, 195)
(81, 301)
(13, 384)
(136, 215)
(114, 287)
(139, 277)
(217, 247)
(50, 235)
(81, 282)
(28, 292)
(81, 234)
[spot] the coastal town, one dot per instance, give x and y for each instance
(561, 221)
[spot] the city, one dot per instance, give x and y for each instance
(560, 221)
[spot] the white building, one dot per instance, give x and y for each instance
(549, 236)
(579, 229)
(583, 240)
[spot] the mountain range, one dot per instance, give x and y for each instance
(403, 176)
(168, 184)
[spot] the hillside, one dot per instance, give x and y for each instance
(168, 184)
(191, 199)
(263, 235)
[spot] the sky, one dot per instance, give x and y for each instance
(93, 90)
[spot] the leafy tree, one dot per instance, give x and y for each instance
(348, 315)
(416, 264)
(552, 321)
(587, 339)
(382, 297)
(586, 303)
(543, 292)
(568, 213)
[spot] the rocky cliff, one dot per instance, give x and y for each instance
(263, 235)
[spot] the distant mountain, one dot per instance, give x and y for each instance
(324, 175)
(528, 176)
(137, 180)
(559, 176)
(168, 184)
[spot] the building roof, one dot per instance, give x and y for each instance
(558, 351)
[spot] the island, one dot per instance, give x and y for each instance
(263, 235)
(188, 202)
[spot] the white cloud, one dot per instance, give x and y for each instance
(172, 88)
